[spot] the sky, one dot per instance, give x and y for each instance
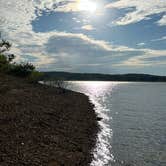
(92, 36)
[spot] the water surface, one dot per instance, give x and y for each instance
(133, 128)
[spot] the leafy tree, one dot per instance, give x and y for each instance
(17, 69)
(4, 46)
(4, 57)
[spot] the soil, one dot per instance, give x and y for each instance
(44, 126)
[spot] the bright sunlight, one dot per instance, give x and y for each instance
(87, 5)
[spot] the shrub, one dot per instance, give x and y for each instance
(4, 64)
(34, 77)
(10, 57)
(22, 69)
(60, 84)
(4, 46)
(3, 59)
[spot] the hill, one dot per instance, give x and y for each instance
(103, 77)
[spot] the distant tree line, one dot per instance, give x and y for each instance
(103, 77)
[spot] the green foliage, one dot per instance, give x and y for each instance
(4, 46)
(4, 64)
(3, 59)
(34, 77)
(10, 57)
(22, 69)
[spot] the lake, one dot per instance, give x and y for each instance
(133, 128)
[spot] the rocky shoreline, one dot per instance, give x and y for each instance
(39, 125)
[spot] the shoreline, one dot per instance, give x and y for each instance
(39, 125)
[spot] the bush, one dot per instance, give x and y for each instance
(4, 46)
(34, 77)
(22, 69)
(3, 59)
(4, 64)
(60, 84)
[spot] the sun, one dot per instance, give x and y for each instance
(87, 5)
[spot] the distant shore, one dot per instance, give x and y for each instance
(131, 77)
(39, 125)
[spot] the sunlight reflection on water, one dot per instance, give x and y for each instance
(133, 122)
(97, 92)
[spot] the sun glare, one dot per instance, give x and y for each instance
(87, 5)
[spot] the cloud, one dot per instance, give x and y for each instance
(162, 21)
(88, 27)
(140, 44)
(141, 10)
(61, 50)
(78, 52)
(149, 58)
(16, 15)
(65, 49)
(58, 5)
(159, 39)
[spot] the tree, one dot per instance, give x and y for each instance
(5, 58)
(4, 46)
(17, 69)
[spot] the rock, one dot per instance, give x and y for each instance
(99, 118)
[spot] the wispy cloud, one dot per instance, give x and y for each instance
(149, 58)
(88, 27)
(162, 21)
(141, 10)
(140, 44)
(61, 50)
(159, 39)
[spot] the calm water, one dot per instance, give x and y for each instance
(134, 122)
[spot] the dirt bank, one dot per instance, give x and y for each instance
(41, 126)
